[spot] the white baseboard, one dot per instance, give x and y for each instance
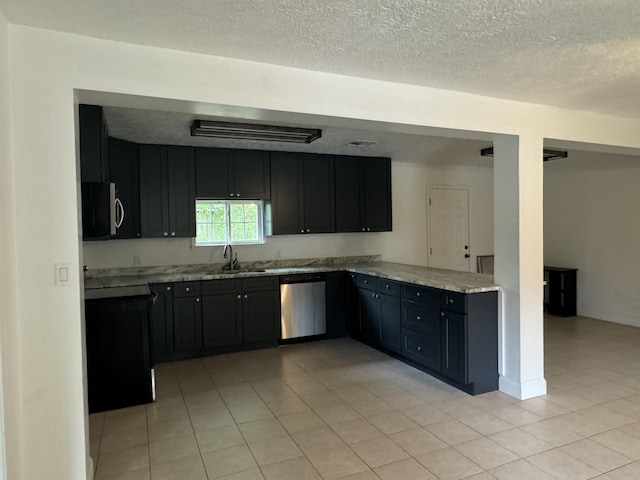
(523, 391)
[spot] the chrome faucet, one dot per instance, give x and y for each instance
(233, 262)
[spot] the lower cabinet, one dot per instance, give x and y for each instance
(379, 313)
(191, 319)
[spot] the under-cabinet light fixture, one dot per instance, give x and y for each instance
(252, 131)
(547, 153)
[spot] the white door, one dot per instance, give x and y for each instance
(449, 228)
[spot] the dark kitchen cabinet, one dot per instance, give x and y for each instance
(226, 173)
(379, 312)
(454, 364)
(94, 148)
(261, 309)
(161, 315)
(336, 304)
(124, 172)
(222, 313)
(302, 193)
(167, 191)
(187, 317)
(363, 194)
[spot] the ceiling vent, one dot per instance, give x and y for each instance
(360, 144)
(252, 131)
(547, 154)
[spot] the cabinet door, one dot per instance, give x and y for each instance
(182, 197)
(454, 348)
(213, 172)
(222, 320)
(154, 199)
(94, 162)
(250, 174)
(162, 322)
(348, 194)
(390, 322)
(318, 193)
(369, 316)
(377, 194)
(261, 316)
(336, 304)
(124, 171)
(187, 324)
(285, 194)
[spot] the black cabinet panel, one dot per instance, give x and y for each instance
(124, 172)
(213, 173)
(187, 324)
(154, 199)
(285, 194)
(348, 187)
(377, 194)
(454, 349)
(422, 349)
(318, 194)
(336, 304)
(421, 318)
(182, 195)
(94, 159)
(369, 316)
(261, 316)
(390, 322)
(222, 320)
(162, 322)
(251, 174)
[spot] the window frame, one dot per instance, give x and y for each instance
(260, 222)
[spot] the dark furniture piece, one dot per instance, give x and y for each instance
(451, 335)
(94, 148)
(119, 368)
(167, 191)
(223, 173)
(363, 194)
(124, 172)
(302, 193)
(562, 286)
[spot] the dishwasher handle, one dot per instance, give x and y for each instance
(302, 278)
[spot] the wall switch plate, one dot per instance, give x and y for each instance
(63, 275)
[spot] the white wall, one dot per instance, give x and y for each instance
(7, 292)
(591, 223)
(43, 366)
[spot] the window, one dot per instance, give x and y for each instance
(237, 222)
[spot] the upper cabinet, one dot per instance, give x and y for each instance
(123, 166)
(225, 173)
(302, 193)
(167, 191)
(94, 158)
(363, 194)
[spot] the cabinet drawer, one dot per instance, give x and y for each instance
(388, 287)
(367, 281)
(260, 283)
(454, 301)
(422, 349)
(216, 287)
(186, 289)
(423, 295)
(421, 318)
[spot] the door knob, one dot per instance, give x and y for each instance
(466, 255)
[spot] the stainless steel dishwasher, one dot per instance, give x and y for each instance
(303, 309)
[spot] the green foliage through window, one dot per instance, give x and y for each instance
(219, 222)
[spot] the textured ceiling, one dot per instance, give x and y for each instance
(581, 54)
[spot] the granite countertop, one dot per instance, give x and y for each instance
(463, 282)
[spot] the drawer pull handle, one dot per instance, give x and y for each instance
(387, 287)
(417, 294)
(187, 289)
(419, 318)
(442, 314)
(419, 348)
(197, 300)
(450, 300)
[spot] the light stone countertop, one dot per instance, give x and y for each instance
(463, 282)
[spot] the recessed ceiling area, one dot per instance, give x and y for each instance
(579, 54)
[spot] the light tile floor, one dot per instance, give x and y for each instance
(341, 410)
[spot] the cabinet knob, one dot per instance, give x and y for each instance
(419, 348)
(197, 300)
(302, 231)
(387, 287)
(308, 230)
(187, 289)
(237, 194)
(366, 282)
(373, 295)
(418, 294)
(168, 289)
(363, 229)
(173, 234)
(239, 297)
(450, 300)
(231, 194)
(442, 314)
(419, 318)
(246, 296)
(166, 234)
(368, 229)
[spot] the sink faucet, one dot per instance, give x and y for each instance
(233, 262)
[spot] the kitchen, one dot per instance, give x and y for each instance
(52, 84)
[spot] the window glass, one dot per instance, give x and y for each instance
(219, 222)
